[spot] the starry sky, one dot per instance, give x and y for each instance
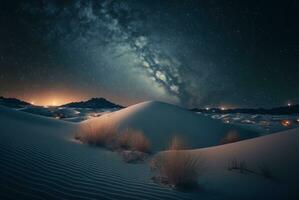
(188, 52)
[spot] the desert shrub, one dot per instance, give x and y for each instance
(134, 140)
(110, 138)
(97, 136)
(239, 166)
(139, 142)
(124, 140)
(230, 137)
(178, 168)
(85, 133)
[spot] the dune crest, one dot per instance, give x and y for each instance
(161, 121)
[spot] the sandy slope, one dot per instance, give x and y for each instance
(279, 152)
(38, 160)
(161, 121)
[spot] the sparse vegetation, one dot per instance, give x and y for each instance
(230, 137)
(132, 144)
(134, 140)
(97, 136)
(177, 168)
(124, 140)
(240, 166)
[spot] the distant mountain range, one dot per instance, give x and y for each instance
(102, 103)
(13, 102)
(286, 110)
(95, 103)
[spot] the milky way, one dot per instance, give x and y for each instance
(191, 53)
(115, 35)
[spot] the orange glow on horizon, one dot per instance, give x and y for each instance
(53, 102)
(54, 98)
(58, 97)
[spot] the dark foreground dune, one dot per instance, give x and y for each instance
(39, 160)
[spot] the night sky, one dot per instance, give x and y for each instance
(190, 53)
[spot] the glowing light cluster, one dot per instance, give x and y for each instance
(286, 122)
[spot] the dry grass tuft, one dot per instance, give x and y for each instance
(110, 138)
(134, 140)
(239, 166)
(178, 168)
(96, 136)
(124, 140)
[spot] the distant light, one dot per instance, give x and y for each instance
(289, 104)
(222, 108)
(207, 108)
(54, 103)
(226, 121)
(285, 122)
(32, 102)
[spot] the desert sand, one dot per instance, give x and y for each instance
(41, 160)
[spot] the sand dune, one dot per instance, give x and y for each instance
(161, 121)
(278, 152)
(39, 160)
